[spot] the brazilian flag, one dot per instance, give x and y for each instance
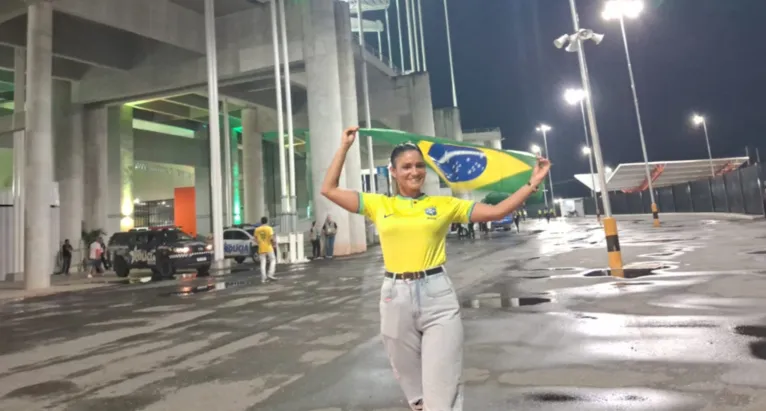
(464, 166)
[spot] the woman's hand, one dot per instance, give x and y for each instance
(349, 135)
(541, 170)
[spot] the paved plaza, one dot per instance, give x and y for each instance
(545, 329)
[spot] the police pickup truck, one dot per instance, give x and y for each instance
(164, 251)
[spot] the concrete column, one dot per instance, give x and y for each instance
(447, 123)
(38, 263)
(120, 169)
(422, 111)
(95, 131)
(202, 200)
(19, 161)
(350, 116)
(252, 167)
(69, 165)
(320, 51)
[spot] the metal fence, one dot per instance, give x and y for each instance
(740, 191)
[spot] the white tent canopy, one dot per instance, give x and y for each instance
(632, 176)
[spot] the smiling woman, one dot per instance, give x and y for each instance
(423, 336)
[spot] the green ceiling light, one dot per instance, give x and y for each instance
(138, 103)
(237, 200)
(162, 128)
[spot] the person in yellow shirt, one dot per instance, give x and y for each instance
(420, 313)
(264, 237)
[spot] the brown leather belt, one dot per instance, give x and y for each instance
(415, 275)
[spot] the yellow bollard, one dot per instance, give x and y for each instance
(613, 247)
(656, 215)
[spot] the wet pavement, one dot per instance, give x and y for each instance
(546, 329)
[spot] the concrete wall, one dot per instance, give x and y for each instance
(164, 148)
(156, 181)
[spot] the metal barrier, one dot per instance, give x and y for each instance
(742, 191)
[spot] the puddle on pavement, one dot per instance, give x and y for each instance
(44, 389)
(556, 269)
(186, 290)
(751, 330)
(628, 272)
(553, 397)
(504, 302)
(559, 397)
(757, 348)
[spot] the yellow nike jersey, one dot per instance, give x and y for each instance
(413, 231)
(264, 236)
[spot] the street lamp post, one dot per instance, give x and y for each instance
(575, 41)
(697, 120)
(619, 9)
(544, 129)
(577, 96)
(537, 150)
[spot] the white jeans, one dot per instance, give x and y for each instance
(423, 337)
(272, 264)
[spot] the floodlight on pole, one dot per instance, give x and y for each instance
(574, 96)
(697, 120)
(586, 151)
(618, 10)
(615, 9)
(608, 170)
(575, 41)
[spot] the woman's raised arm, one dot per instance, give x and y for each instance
(483, 213)
(347, 199)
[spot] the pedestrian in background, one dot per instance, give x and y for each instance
(330, 229)
(315, 235)
(66, 257)
(95, 251)
(264, 235)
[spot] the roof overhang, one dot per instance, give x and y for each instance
(631, 177)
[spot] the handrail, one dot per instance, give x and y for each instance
(481, 130)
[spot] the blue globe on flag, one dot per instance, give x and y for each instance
(458, 164)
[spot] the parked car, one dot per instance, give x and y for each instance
(504, 224)
(239, 243)
(163, 251)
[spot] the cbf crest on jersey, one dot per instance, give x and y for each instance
(431, 211)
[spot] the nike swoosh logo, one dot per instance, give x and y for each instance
(388, 215)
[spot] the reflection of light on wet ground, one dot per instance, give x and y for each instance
(504, 302)
(676, 338)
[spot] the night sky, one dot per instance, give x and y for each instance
(706, 56)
